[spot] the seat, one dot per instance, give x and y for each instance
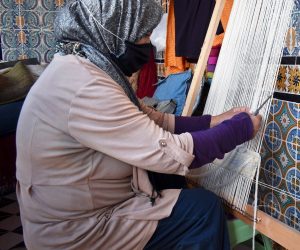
(241, 233)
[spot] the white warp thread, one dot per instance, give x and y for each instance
(245, 75)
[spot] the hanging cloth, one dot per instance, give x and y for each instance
(147, 78)
(212, 61)
(192, 19)
(173, 63)
(224, 20)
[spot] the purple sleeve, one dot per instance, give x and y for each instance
(215, 142)
(190, 124)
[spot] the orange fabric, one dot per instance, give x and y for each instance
(173, 63)
(224, 20)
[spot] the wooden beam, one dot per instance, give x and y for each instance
(203, 58)
(272, 228)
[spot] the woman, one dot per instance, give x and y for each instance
(85, 144)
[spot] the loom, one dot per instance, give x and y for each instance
(245, 76)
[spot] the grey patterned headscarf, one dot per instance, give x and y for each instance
(96, 28)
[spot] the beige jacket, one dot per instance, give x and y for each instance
(82, 153)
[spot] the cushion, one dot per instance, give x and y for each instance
(15, 83)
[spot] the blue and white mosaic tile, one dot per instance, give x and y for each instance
(27, 28)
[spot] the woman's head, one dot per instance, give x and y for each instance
(106, 25)
(98, 30)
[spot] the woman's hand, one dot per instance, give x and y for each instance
(215, 120)
(256, 121)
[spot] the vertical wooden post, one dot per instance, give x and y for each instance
(203, 58)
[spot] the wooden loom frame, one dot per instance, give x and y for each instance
(267, 225)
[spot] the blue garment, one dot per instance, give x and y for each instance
(9, 114)
(175, 86)
(197, 222)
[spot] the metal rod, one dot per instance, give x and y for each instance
(260, 107)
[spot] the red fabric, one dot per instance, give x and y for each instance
(215, 51)
(147, 79)
(213, 59)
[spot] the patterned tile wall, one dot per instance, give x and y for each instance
(279, 192)
(289, 73)
(27, 28)
(280, 172)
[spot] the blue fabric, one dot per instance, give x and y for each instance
(197, 222)
(175, 86)
(9, 114)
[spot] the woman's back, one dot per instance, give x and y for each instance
(77, 192)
